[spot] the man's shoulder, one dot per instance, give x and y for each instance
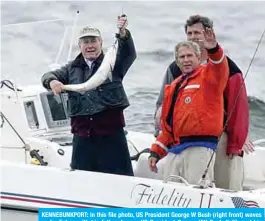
(233, 68)
(70, 63)
(174, 69)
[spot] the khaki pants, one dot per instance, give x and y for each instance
(228, 173)
(190, 164)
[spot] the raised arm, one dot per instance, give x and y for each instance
(217, 60)
(126, 55)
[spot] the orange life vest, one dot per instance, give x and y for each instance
(198, 107)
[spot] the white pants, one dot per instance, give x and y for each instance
(190, 164)
(228, 173)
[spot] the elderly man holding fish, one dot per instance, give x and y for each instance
(97, 119)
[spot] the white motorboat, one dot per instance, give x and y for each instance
(35, 165)
(36, 147)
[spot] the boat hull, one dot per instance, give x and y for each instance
(34, 187)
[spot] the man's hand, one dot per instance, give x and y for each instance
(232, 155)
(210, 40)
(248, 147)
(122, 24)
(56, 86)
(152, 164)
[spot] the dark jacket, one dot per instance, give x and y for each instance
(236, 105)
(99, 110)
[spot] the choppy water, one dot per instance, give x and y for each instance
(156, 27)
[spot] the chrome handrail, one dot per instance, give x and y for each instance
(176, 176)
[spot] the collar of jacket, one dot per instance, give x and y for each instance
(80, 61)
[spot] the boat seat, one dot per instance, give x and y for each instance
(254, 170)
(142, 169)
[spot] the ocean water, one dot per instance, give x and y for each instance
(28, 49)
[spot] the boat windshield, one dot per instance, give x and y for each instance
(55, 111)
(56, 107)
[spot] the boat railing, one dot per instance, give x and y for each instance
(170, 177)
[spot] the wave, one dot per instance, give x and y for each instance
(255, 100)
(157, 55)
(256, 103)
(143, 100)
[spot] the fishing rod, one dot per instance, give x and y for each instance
(33, 153)
(4, 118)
(230, 114)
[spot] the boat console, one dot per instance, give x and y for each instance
(35, 119)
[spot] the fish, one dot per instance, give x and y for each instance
(103, 73)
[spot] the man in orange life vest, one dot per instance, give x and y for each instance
(192, 112)
(229, 167)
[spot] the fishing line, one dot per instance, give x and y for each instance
(230, 114)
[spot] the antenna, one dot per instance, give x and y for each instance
(73, 35)
(61, 46)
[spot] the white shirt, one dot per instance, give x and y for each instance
(89, 63)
